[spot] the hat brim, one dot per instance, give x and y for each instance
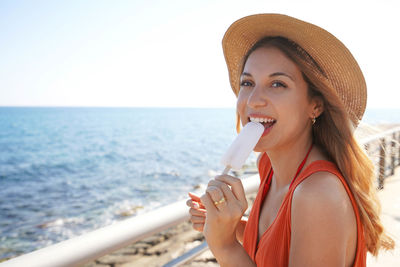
(332, 56)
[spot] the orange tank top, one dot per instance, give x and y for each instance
(273, 247)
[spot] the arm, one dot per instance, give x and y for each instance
(233, 256)
(322, 220)
(240, 229)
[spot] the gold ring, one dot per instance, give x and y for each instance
(219, 202)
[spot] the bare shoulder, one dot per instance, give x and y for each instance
(323, 187)
(322, 194)
(322, 221)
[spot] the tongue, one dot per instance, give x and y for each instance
(268, 124)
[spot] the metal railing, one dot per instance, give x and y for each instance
(84, 248)
(90, 246)
(384, 150)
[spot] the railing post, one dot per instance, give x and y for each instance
(381, 175)
(393, 153)
(366, 147)
(398, 142)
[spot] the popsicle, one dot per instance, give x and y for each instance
(240, 149)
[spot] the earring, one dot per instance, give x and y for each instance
(313, 120)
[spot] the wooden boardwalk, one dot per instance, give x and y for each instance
(390, 200)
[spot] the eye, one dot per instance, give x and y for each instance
(245, 83)
(277, 84)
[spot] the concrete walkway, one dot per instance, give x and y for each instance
(390, 200)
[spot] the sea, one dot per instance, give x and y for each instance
(67, 171)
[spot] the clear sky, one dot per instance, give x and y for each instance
(168, 53)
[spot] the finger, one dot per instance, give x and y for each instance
(200, 213)
(196, 199)
(194, 205)
(198, 227)
(236, 185)
(217, 196)
(225, 189)
(194, 202)
(194, 196)
(215, 193)
(196, 219)
(208, 204)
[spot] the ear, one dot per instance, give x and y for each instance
(316, 107)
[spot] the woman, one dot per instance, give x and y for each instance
(316, 204)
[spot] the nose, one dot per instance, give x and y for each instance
(256, 98)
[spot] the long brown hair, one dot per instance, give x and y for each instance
(333, 132)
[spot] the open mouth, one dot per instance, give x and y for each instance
(268, 123)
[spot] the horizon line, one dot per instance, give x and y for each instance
(32, 106)
(187, 107)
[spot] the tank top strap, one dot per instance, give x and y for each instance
(264, 165)
(317, 166)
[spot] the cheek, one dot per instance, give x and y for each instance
(294, 113)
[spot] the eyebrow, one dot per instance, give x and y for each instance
(271, 75)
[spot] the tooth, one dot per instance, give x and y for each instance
(257, 119)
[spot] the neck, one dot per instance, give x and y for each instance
(286, 160)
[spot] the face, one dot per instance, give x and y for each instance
(272, 89)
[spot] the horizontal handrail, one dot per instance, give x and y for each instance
(81, 249)
(378, 136)
(191, 254)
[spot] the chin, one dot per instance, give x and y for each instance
(263, 146)
(258, 148)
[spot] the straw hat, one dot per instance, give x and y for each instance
(331, 55)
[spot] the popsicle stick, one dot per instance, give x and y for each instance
(226, 170)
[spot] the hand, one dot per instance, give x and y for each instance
(223, 216)
(197, 212)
